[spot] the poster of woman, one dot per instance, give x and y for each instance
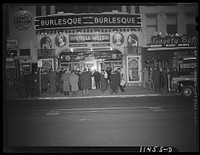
(133, 69)
(46, 43)
(60, 40)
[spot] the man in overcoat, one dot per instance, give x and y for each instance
(156, 79)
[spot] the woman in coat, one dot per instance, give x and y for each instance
(85, 81)
(73, 80)
(44, 82)
(65, 79)
(113, 82)
(103, 82)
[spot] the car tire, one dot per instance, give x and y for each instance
(187, 91)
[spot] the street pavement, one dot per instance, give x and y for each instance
(94, 122)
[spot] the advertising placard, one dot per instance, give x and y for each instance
(172, 40)
(89, 38)
(22, 20)
(133, 69)
(12, 44)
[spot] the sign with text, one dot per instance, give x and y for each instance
(100, 44)
(45, 53)
(92, 20)
(22, 20)
(89, 38)
(177, 40)
(12, 43)
(77, 45)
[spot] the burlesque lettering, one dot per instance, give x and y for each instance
(64, 21)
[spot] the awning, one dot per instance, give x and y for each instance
(98, 53)
(170, 48)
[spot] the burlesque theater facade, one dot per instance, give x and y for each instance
(132, 38)
(95, 41)
(76, 41)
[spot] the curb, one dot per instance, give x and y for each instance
(92, 97)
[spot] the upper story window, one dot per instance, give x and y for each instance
(151, 21)
(86, 8)
(38, 10)
(190, 24)
(137, 9)
(171, 23)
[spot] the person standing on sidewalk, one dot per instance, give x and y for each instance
(90, 79)
(20, 84)
(113, 82)
(97, 79)
(119, 78)
(52, 82)
(103, 81)
(85, 81)
(28, 83)
(73, 81)
(36, 91)
(156, 79)
(146, 78)
(168, 79)
(161, 78)
(65, 79)
(151, 85)
(175, 73)
(164, 73)
(106, 78)
(44, 82)
(108, 70)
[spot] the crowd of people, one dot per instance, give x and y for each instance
(67, 81)
(158, 78)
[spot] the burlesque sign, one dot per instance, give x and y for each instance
(89, 38)
(177, 40)
(92, 20)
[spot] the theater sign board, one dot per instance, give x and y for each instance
(60, 21)
(172, 40)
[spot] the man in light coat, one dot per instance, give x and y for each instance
(65, 79)
(73, 81)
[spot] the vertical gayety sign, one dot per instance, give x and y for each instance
(133, 69)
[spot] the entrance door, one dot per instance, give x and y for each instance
(47, 64)
(93, 65)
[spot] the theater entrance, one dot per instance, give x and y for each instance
(96, 59)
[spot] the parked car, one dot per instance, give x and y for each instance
(183, 85)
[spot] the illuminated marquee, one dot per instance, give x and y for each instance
(89, 38)
(79, 20)
(177, 40)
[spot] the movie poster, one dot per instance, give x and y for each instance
(133, 69)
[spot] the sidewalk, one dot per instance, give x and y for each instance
(131, 91)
